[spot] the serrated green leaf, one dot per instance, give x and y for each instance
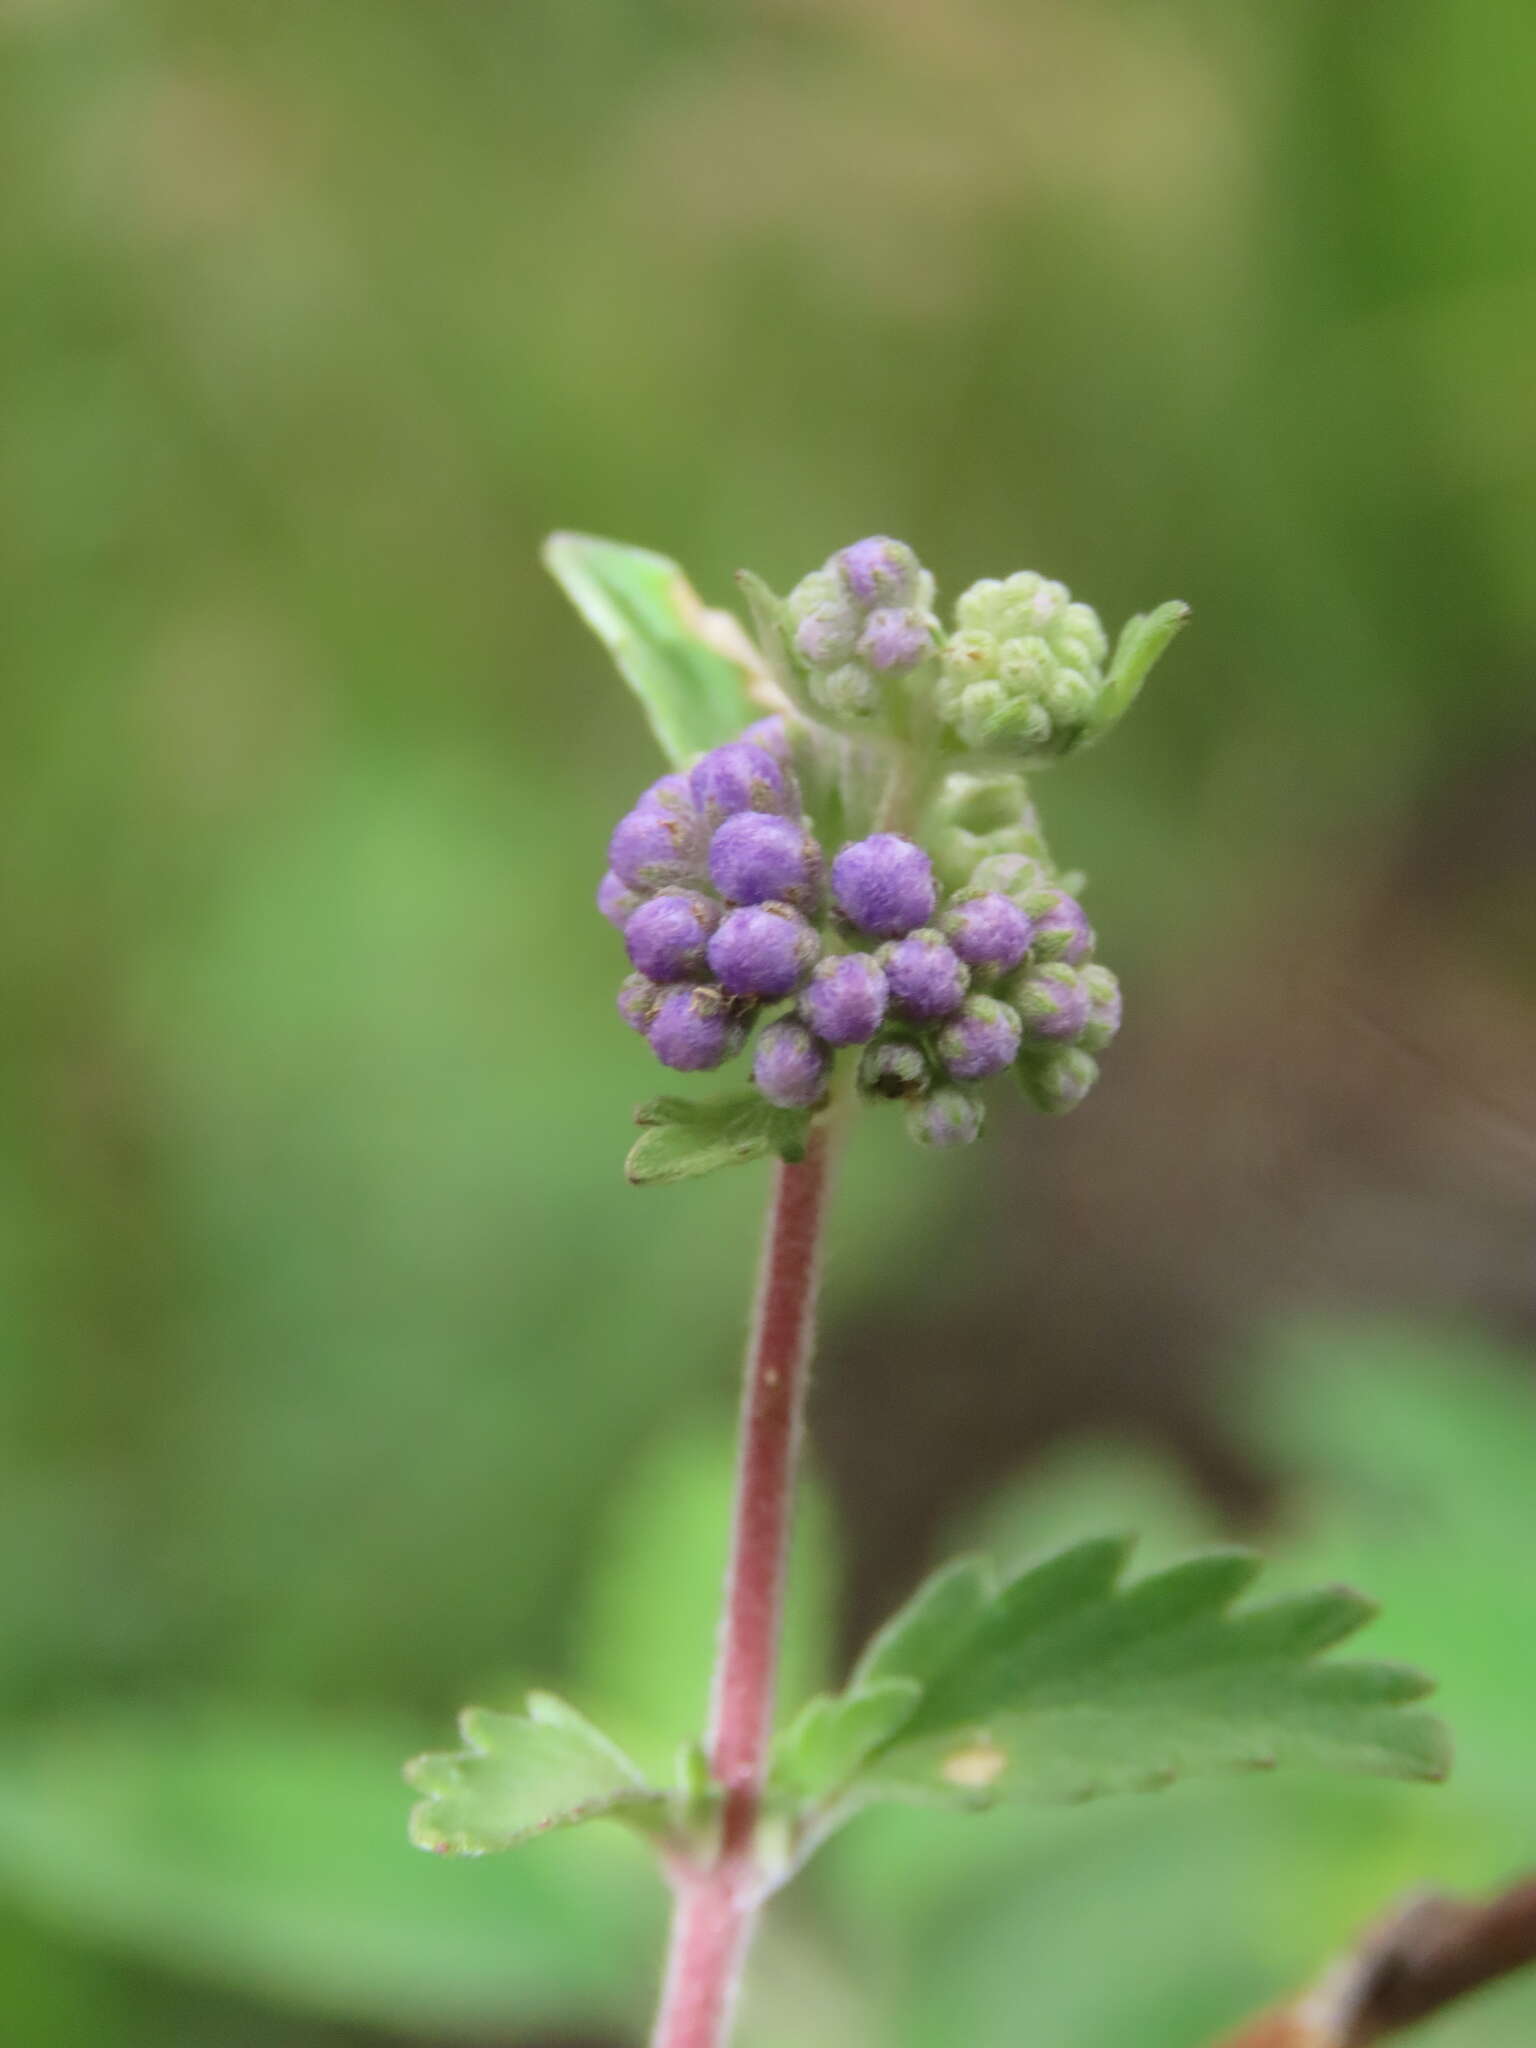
(682, 1137)
(668, 647)
(920, 1638)
(521, 1775)
(1067, 1684)
(833, 1734)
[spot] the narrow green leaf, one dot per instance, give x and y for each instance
(1142, 639)
(676, 655)
(521, 1775)
(1067, 1684)
(682, 1137)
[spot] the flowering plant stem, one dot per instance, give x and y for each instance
(717, 1902)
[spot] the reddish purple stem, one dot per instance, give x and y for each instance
(717, 1905)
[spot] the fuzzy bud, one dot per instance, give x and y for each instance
(1059, 1083)
(981, 1039)
(638, 1001)
(927, 980)
(827, 635)
(988, 930)
(765, 951)
(893, 1069)
(1062, 930)
(658, 843)
(1052, 1003)
(739, 777)
(848, 692)
(772, 735)
(1011, 874)
(878, 572)
(756, 858)
(696, 1028)
(845, 1000)
(949, 1116)
(790, 1066)
(1104, 1009)
(666, 937)
(894, 641)
(616, 902)
(884, 885)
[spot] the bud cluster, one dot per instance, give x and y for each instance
(861, 623)
(1024, 669)
(728, 908)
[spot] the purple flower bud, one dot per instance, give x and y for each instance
(666, 937)
(765, 950)
(654, 846)
(980, 1040)
(1062, 932)
(988, 931)
(894, 1069)
(827, 635)
(1059, 1083)
(638, 998)
(694, 1028)
(884, 885)
(738, 777)
(617, 903)
(755, 858)
(1104, 1007)
(791, 1067)
(949, 1116)
(878, 571)
(927, 980)
(894, 641)
(667, 793)
(772, 735)
(1051, 1001)
(845, 1000)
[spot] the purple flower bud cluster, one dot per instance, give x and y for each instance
(861, 622)
(726, 908)
(715, 881)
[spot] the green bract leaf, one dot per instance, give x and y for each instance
(1066, 1684)
(689, 666)
(1142, 639)
(683, 1137)
(521, 1776)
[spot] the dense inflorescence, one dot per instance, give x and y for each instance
(1024, 670)
(730, 911)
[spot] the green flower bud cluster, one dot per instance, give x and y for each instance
(1024, 670)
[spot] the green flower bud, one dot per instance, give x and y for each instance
(893, 1070)
(949, 1116)
(1059, 1081)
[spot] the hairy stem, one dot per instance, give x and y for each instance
(717, 1905)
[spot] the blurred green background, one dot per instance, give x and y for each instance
(344, 1378)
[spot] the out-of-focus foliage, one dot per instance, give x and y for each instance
(331, 1337)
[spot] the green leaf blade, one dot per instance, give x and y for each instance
(682, 1137)
(689, 667)
(522, 1775)
(1068, 1684)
